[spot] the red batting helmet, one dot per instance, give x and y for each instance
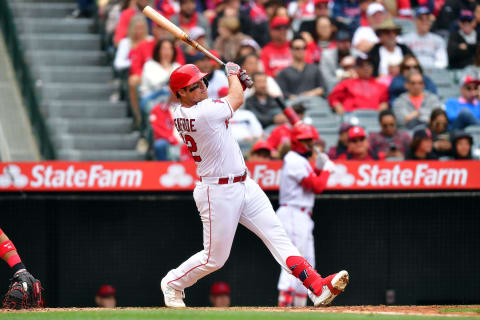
(184, 76)
(301, 132)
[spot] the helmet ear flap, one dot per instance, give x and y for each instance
(205, 81)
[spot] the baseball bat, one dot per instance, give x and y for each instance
(166, 24)
(291, 115)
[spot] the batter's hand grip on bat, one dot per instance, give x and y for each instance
(291, 115)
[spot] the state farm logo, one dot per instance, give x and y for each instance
(12, 176)
(176, 175)
(340, 176)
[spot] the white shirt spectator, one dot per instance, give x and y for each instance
(430, 49)
(386, 56)
(217, 82)
(245, 126)
(122, 56)
(155, 76)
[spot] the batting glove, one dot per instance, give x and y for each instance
(245, 79)
(232, 69)
(323, 162)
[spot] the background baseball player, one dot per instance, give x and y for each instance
(24, 291)
(299, 183)
(225, 196)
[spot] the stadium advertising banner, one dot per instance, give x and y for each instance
(177, 176)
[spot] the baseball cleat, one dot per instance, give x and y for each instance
(173, 298)
(333, 285)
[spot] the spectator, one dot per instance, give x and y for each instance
(258, 16)
(462, 43)
(320, 10)
(220, 295)
(387, 47)
(347, 69)
(247, 46)
(365, 37)
(129, 9)
(217, 80)
(358, 147)
(390, 141)
(393, 64)
(331, 58)
(347, 12)
(229, 40)
(465, 110)
(231, 8)
(438, 126)
(188, 18)
(341, 147)
(429, 48)
(300, 78)
(402, 8)
(198, 34)
(450, 12)
(261, 151)
(276, 55)
(105, 297)
(397, 86)
(462, 146)
(279, 138)
(156, 72)
(161, 121)
(251, 63)
(262, 105)
(363, 92)
(414, 107)
(245, 126)
(474, 70)
(421, 147)
(322, 39)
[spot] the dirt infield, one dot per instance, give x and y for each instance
(454, 310)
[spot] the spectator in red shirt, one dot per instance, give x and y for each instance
(162, 124)
(276, 55)
(392, 142)
(358, 147)
(341, 147)
(188, 18)
(127, 13)
(363, 92)
(322, 38)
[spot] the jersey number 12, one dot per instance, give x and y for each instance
(192, 146)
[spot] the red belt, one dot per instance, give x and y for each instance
(235, 179)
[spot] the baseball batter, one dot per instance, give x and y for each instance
(225, 196)
(299, 183)
(24, 291)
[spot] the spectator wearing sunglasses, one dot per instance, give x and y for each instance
(358, 147)
(397, 87)
(465, 110)
(414, 107)
(276, 55)
(300, 78)
(392, 142)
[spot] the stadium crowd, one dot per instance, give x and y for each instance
(339, 63)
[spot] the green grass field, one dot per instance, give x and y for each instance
(162, 313)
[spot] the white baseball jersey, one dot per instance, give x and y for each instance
(295, 168)
(205, 130)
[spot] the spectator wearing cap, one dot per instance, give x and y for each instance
(390, 141)
(421, 147)
(348, 12)
(251, 64)
(247, 46)
(261, 151)
(438, 126)
(358, 147)
(262, 105)
(363, 92)
(365, 37)
(429, 48)
(229, 38)
(280, 137)
(387, 32)
(156, 72)
(198, 34)
(341, 147)
(220, 295)
(462, 144)
(105, 297)
(276, 55)
(465, 110)
(450, 12)
(414, 107)
(161, 121)
(189, 18)
(217, 80)
(300, 78)
(398, 86)
(462, 43)
(331, 58)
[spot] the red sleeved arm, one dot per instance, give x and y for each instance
(316, 183)
(337, 94)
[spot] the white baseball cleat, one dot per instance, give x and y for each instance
(173, 298)
(333, 285)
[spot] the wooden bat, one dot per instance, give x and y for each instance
(166, 24)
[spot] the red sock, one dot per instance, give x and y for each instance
(303, 270)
